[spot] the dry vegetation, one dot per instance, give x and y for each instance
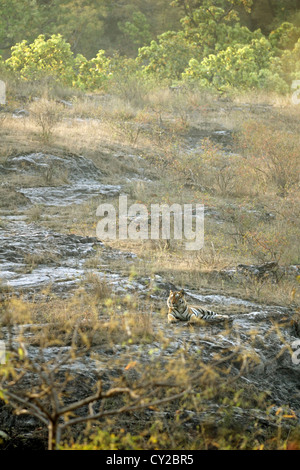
(243, 188)
(252, 194)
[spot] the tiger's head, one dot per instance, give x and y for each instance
(176, 300)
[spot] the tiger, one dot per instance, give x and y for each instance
(179, 310)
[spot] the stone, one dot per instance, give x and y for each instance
(79, 178)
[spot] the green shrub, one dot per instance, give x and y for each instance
(168, 57)
(91, 74)
(285, 36)
(240, 67)
(138, 30)
(289, 66)
(127, 81)
(52, 57)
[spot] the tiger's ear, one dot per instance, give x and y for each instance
(171, 292)
(182, 292)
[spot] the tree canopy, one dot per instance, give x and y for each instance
(212, 43)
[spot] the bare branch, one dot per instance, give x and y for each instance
(124, 409)
(35, 410)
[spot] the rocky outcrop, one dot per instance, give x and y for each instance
(70, 179)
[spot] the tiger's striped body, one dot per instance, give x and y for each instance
(179, 310)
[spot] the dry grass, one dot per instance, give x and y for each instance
(46, 114)
(10, 199)
(90, 317)
(103, 128)
(94, 318)
(35, 213)
(261, 97)
(99, 288)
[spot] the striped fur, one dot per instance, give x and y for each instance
(179, 310)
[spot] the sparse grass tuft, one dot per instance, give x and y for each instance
(35, 213)
(99, 288)
(46, 114)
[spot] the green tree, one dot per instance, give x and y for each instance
(43, 57)
(26, 19)
(168, 57)
(285, 36)
(90, 26)
(138, 30)
(239, 66)
(219, 10)
(208, 28)
(289, 65)
(91, 74)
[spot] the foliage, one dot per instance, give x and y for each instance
(263, 14)
(208, 30)
(89, 26)
(91, 74)
(289, 65)
(127, 82)
(216, 50)
(214, 47)
(274, 155)
(24, 19)
(138, 29)
(229, 7)
(113, 25)
(285, 36)
(105, 440)
(43, 57)
(53, 57)
(237, 67)
(215, 27)
(167, 57)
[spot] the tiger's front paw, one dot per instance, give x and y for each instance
(172, 319)
(193, 319)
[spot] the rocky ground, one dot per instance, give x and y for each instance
(35, 257)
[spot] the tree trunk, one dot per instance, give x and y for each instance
(52, 433)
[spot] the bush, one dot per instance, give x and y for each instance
(91, 74)
(274, 155)
(238, 66)
(168, 57)
(213, 170)
(54, 58)
(43, 58)
(215, 35)
(289, 66)
(46, 114)
(138, 30)
(127, 82)
(285, 36)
